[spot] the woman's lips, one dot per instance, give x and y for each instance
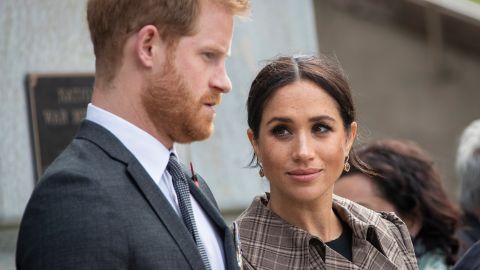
(304, 175)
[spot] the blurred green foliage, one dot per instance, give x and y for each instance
(476, 1)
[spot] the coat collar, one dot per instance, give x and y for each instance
(372, 236)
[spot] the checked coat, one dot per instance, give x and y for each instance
(380, 240)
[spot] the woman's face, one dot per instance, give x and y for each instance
(302, 142)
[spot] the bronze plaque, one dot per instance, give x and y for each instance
(57, 105)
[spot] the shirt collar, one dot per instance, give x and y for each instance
(151, 153)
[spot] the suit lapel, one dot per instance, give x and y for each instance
(207, 205)
(214, 214)
(167, 215)
(155, 198)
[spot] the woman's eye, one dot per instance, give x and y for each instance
(280, 131)
(320, 128)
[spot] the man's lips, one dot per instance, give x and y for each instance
(212, 102)
(211, 106)
(304, 175)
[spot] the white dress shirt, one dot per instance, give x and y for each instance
(154, 157)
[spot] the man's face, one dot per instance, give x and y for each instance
(180, 99)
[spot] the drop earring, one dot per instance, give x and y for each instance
(346, 166)
(260, 172)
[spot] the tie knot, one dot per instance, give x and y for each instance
(173, 161)
(174, 168)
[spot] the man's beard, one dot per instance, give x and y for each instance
(173, 110)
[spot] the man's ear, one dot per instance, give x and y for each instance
(148, 43)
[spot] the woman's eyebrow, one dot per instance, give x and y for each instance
(321, 118)
(280, 119)
(312, 119)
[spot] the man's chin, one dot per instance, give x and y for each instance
(199, 134)
(205, 134)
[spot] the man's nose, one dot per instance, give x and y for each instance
(221, 81)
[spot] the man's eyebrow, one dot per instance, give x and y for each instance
(215, 47)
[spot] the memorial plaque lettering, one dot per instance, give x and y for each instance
(57, 105)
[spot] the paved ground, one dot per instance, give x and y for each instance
(8, 238)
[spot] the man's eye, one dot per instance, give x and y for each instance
(209, 56)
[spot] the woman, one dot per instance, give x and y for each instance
(302, 126)
(407, 184)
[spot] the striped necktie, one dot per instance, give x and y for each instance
(183, 194)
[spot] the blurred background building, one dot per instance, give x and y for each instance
(414, 66)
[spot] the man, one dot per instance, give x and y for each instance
(468, 174)
(117, 198)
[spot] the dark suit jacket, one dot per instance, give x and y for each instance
(471, 259)
(97, 208)
(469, 232)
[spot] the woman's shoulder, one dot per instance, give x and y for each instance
(352, 211)
(385, 230)
(361, 216)
(256, 209)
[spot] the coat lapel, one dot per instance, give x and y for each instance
(366, 256)
(373, 244)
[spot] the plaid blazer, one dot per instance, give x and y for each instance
(380, 240)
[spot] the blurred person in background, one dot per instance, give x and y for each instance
(470, 260)
(407, 183)
(302, 125)
(468, 175)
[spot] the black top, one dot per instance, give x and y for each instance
(343, 244)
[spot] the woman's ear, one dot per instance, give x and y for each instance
(351, 135)
(252, 140)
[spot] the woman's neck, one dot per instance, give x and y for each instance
(315, 217)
